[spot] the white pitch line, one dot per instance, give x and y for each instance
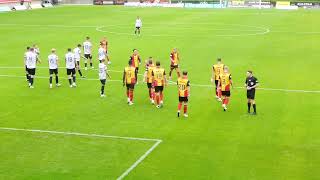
(125, 173)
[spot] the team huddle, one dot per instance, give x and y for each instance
(154, 76)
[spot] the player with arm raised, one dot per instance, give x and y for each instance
(225, 83)
(104, 43)
(148, 78)
(184, 93)
(31, 62)
(251, 84)
(25, 62)
(159, 81)
(101, 54)
(71, 68)
(103, 73)
(217, 69)
(175, 60)
(87, 50)
(129, 80)
(53, 61)
(138, 26)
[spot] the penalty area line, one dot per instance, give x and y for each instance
(127, 171)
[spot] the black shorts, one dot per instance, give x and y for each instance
(53, 71)
(216, 82)
(149, 85)
(130, 86)
(137, 69)
(31, 71)
(71, 71)
(138, 27)
(103, 81)
(174, 67)
(183, 99)
(158, 89)
(88, 56)
(251, 94)
(226, 93)
(26, 68)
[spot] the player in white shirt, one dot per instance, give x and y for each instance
(25, 62)
(87, 50)
(53, 61)
(36, 49)
(71, 68)
(103, 73)
(101, 54)
(77, 56)
(31, 63)
(138, 26)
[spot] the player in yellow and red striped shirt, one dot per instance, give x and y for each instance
(175, 61)
(129, 79)
(184, 93)
(149, 79)
(159, 81)
(225, 84)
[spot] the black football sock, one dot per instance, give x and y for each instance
(249, 107)
(57, 80)
(102, 89)
(90, 64)
(80, 72)
(170, 73)
(74, 79)
(31, 81)
(85, 64)
(70, 81)
(254, 108)
(27, 76)
(135, 32)
(50, 80)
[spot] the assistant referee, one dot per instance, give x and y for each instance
(251, 84)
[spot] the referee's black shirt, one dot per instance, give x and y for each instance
(251, 81)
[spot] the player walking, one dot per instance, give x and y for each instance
(138, 25)
(87, 50)
(184, 93)
(71, 68)
(251, 84)
(129, 80)
(103, 73)
(77, 56)
(53, 67)
(159, 81)
(31, 63)
(225, 84)
(148, 78)
(175, 60)
(217, 69)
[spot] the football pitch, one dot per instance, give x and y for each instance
(72, 133)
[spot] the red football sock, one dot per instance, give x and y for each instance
(131, 96)
(128, 93)
(161, 96)
(226, 101)
(219, 93)
(157, 99)
(179, 106)
(185, 109)
(150, 93)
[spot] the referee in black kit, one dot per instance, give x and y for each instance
(251, 84)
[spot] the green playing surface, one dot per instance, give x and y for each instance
(281, 142)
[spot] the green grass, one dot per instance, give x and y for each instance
(282, 142)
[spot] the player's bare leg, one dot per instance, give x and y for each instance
(170, 73)
(178, 72)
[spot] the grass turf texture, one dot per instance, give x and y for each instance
(282, 142)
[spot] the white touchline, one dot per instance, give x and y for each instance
(125, 173)
(170, 82)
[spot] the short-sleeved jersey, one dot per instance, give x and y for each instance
(77, 53)
(70, 61)
(225, 80)
(130, 75)
(149, 70)
(138, 23)
(53, 61)
(251, 81)
(218, 69)
(101, 54)
(25, 57)
(135, 59)
(31, 60)
(102, 71)
(158, 76)
(183, 84)
(87, 47)
(174, 56)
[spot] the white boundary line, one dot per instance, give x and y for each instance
(170, 82)
(125, 173)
